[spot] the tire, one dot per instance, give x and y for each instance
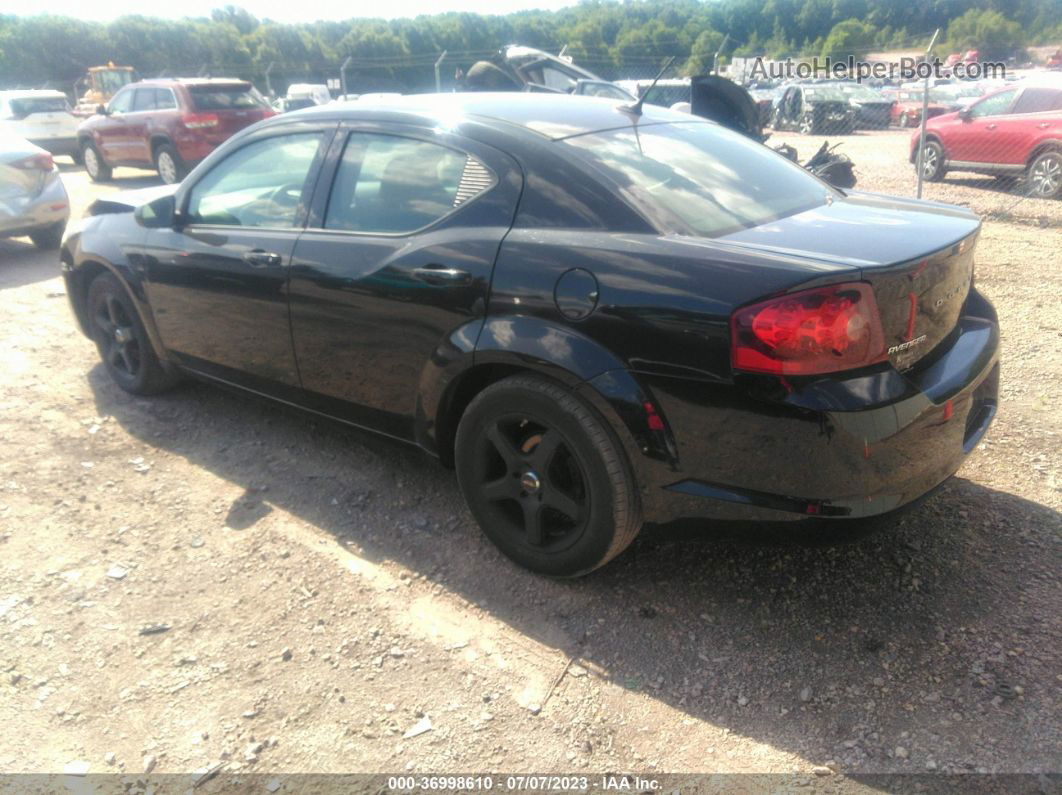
(122, 340)
(932, 162)
(905, 120)
(169, 165)
(77, 158)
(95, 165)
(545, 477)
(50, 237)
(1044, 177)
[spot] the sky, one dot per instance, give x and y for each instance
(279, 10)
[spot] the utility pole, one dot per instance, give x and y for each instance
(269, 85)
(925, 110)
(343, 75)
(438, 80)
(722, 47)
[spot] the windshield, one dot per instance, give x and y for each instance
(29, 105)
(698, 178)
(226, 97)
(111, 81)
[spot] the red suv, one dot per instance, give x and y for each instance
(168, 125)
(1011, 132)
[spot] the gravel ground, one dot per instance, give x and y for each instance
(198, 579)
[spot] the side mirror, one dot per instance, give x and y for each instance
(159, 214)
(965, 114)
(101, 110)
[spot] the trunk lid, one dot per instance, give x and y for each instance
(917, 256)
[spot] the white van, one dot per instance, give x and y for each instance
(41, 117)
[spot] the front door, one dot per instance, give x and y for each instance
(217, 282)
(976, 139)
(397, 260)
(113, 132)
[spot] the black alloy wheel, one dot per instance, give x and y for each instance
(545, 477)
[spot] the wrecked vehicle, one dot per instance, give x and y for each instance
(517, 68)
(815, 110)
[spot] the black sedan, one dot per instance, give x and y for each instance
(599, 316)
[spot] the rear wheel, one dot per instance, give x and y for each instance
(97, 169)
(169, 164)
(905, 120)
(50, 237)
(933, 162)
(1045, 175)
(122, 340)
(546, 478)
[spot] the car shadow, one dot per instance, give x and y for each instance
(22, 263)
(828, 645)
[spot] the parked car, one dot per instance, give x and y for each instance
(316, 93)
(814, 109)
(598, 317)
(907, 108)
(33, 201)
(873, 110)
(169, 125)
(1010, 133)
(41, 117)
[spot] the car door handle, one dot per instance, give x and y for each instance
(1044, 125)
(437, 274)
(262, 259)
(990, 126)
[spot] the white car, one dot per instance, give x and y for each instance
(33, 201)
(41, 117)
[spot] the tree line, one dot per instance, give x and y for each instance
(615, 38)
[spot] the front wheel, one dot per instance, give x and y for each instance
(546, 478)
(1045, 175)
(933, 162)
(97, 168)
(122, 340)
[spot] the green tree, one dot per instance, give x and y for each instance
(850, 37)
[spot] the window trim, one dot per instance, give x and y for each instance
(173, 96)
(340, 143)
(326, 135)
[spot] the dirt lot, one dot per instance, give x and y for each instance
(198, 579)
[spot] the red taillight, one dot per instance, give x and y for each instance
(199, 121)
(42, 162)
(814, 331)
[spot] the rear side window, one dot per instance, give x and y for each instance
(226, 98)
(262, 184)
(1038, 100)
(164, 99)
(697, 178)
(391, 185)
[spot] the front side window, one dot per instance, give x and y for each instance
(700, 179)
(992, 106)
(144, 99)
(121, 102)
(391, 185)
(260, 185)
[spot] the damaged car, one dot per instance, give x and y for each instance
(815, 109)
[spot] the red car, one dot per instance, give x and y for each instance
(907, 108)
(168, 125)
(1013, 132)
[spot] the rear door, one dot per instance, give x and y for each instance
(397, 260)
(217, 282)
(1037, 113)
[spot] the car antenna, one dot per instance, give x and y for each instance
(636, 108)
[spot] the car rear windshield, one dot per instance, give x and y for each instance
(225, 97)
(29, 105)
(699, 178)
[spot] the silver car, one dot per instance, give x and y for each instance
(33, 200)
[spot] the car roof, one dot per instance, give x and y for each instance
(191, 81)
(32, 92)
(553, 116)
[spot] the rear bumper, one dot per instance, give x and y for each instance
(828, 448)
(25, 214)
